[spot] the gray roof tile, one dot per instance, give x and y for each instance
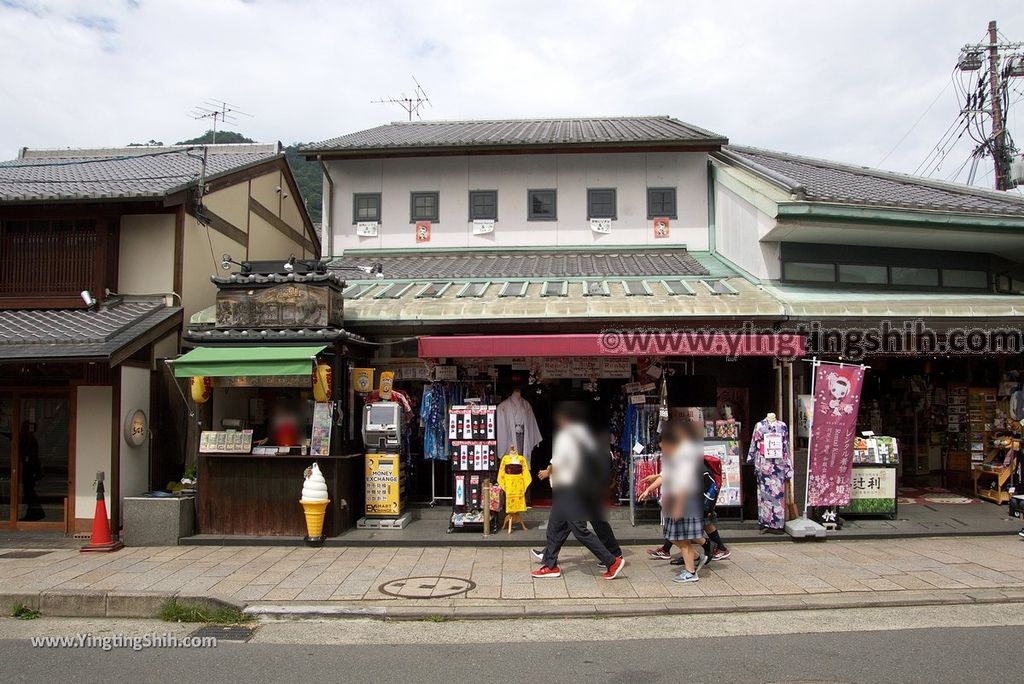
(46, 334)
(820, 180)
(122, 172)
(512, 264)
(609, 131)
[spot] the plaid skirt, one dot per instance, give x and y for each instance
(683, 529)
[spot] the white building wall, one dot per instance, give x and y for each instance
(92, 447)
(739, 228)
(512, 176)
(135, 385)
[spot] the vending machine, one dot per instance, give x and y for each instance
(385, 473)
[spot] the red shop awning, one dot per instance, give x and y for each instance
(676, 343)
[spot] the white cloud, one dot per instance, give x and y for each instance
(841, 79)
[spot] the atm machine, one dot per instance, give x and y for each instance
(385, 472)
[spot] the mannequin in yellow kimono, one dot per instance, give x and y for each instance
(514, 478)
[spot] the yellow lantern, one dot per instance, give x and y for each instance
(323, 382)
(202, 389)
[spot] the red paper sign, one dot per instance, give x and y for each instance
(423, 231)
(833, 427)
(661, 227)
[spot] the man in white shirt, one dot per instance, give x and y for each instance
(570, 507)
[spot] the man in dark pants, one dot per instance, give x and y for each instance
(571, 505)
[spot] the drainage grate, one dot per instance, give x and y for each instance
(225, 632)
(23, 554)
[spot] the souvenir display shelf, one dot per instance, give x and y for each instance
(472, 438)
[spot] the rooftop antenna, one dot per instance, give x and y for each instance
(218, 110)
(411, 104)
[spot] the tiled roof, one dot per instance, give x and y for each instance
(208, 335)
(610, 131)
(53, 334)
(121, 172)
(657, 306)
(511, 264)
(819, 180)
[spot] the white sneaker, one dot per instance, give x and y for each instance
(701, 561)
(537, 555)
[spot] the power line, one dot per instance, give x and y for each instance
(919, 120)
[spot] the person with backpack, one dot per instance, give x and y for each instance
(682, 495)
(575, 474)
(714, 546)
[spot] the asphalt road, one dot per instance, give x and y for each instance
(858, 649)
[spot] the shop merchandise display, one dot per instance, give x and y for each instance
(472, 440)
(514, 479)
(773, 466)
(516, 426)
(994, 477)
(437, 397)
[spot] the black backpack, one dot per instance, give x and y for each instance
(595, 472)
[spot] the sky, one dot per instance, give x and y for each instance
(848, 81)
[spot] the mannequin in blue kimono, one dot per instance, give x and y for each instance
(773, 466)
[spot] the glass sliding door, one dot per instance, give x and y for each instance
(6, 458)
(42, 450)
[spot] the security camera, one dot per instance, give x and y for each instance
(226, 261)
(90, 301)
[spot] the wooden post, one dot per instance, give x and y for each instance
(486, 507)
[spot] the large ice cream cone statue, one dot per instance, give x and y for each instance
(314, 502)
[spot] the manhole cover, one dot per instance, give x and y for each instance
(225, 632)
(427, 587)
(23, 554)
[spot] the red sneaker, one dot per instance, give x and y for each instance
(721, 554)
(658, 554)
(544, 572)
(613, 572)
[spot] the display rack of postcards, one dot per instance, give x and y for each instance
(472, 438)
(981, 415)
(957, 429)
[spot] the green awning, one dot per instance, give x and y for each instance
(232, 361)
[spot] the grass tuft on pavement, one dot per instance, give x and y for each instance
(22, 612)
(176, 611)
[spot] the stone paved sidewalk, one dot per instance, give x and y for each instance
(501, 576)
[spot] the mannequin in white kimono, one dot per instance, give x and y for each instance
(517, 426)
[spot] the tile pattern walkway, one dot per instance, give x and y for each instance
(355, 574)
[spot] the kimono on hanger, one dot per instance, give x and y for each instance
(514, 478)
(516, 423)
(434, 420)
(773, 465)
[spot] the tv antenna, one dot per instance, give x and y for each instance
(218, 110)
(410, 103)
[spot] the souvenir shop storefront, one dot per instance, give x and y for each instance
(937, 423)
(476, 405)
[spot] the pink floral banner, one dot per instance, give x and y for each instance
(833, 427)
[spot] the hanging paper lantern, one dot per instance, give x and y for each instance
(323, 382)
(202, 389)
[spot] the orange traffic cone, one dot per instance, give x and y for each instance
(101, 541)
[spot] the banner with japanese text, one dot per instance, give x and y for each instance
(833, 427)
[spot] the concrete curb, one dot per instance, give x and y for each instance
(143, 604)
(506, 541)
(595, 609)
(113, 604)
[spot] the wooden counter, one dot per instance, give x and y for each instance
(246, 494)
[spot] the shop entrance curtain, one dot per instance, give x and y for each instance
(246, 361)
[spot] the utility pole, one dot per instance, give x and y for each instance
(998, 130)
